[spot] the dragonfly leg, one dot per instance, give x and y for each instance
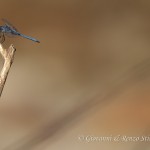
(2, 36)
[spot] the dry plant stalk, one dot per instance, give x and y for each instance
(8, 56)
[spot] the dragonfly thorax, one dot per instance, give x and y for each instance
(6, 29)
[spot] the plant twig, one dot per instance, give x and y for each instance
(8, 56)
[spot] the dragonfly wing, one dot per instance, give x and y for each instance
(9, 24)
(9, 34)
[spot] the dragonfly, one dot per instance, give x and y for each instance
(9, 30)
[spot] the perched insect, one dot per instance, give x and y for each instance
(9, 30)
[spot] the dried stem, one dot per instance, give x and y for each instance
(8, 56)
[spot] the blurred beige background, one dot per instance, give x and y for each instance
(89, 76)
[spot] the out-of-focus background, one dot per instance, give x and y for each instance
(88, 78)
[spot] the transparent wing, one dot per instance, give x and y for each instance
(9, 24)
(10, 35)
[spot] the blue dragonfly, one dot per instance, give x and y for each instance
(9, 30)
